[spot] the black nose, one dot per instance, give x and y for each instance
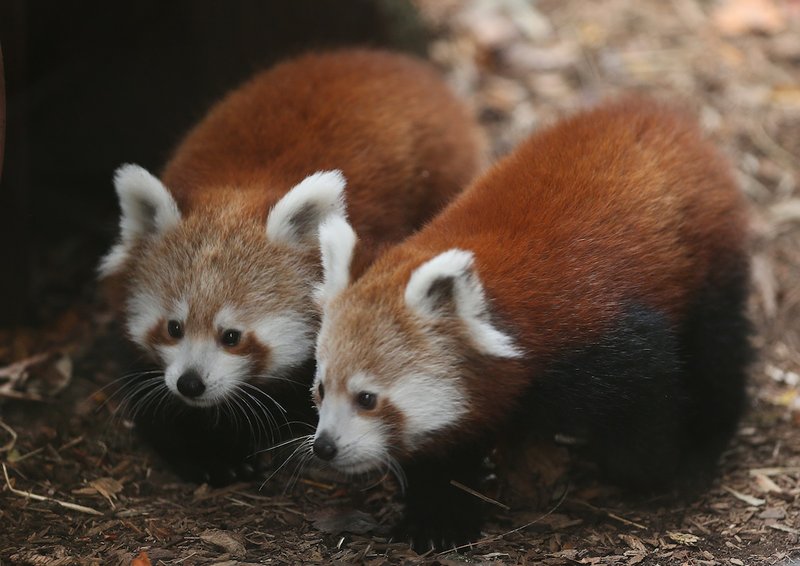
(191, 384)
(325, 447)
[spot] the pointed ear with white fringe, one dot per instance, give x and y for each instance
(148, 210)
(448, 285)
(337, 240)
(295, 219)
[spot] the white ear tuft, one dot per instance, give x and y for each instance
(295, 219)
(337, 240)
(148, 209)
(448, 284)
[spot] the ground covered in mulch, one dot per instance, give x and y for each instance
(99, 497)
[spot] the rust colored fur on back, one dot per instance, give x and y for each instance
(592, 285)
(624, 204)
(403, 142)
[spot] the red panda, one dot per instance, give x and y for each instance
(217, 260)
(592, 283)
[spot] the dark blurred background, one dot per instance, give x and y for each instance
(92, 84)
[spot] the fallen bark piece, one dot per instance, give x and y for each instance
(232, 543)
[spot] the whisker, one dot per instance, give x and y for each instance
(156, 393)
(261, 415)
(242, 407)
(272, 475)
(285, 443)
(302, 461)
(135, 393)
(270, 425)
(126, 387)
(124, 377)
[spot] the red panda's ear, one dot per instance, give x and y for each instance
(295, 219)
(148, 210)
(448, 285)
(337, 240)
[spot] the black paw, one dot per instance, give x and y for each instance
(219, 473)
(439, 533)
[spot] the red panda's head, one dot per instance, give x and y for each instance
(391, 352)
(220, 300)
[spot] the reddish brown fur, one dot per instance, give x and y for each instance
(405, 144)
(250, 345)
(625, 202)
(158, 335)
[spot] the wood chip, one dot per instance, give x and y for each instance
(686, 539)
(784, 528)
(765, 485)
(230, 542)
(749, 499)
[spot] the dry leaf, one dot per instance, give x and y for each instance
(108, 488)
(141, 560)
(37, 377)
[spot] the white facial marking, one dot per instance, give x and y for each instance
(337, 241)
(290, 338)
(295, 218)
(148, 209)
(227, 317)
(468, 298)
(428, 404)
(145, 310)
(220, 371)
(360, 438)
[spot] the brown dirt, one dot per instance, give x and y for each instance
(521, 66)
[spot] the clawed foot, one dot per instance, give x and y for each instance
(219, 473)
(439, 532)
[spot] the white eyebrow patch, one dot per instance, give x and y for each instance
(361, 381)
(227, 317)
(179, 310)
(144, 310)
(290, 337)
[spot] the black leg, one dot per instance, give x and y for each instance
(199, 445)
(716, 342)
(623, 398)
(217, 445)
(439, 515)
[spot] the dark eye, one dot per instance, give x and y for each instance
(366, 400)
(231, 337)
(321, 391)
(175, 329)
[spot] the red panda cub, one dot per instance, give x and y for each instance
(217, 260)
(592, 284)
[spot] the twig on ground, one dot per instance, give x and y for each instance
(495, 538)
(479, 495)
(611, 515)
(29, 495)
(8, 446)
